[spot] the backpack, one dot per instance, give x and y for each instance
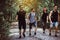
(29, 15)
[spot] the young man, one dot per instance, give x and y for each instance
(44, 18)
(33, 22)
(53, 17)
(21, 21)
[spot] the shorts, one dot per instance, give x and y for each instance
(22, 25)
(32, 24)
(54, 24)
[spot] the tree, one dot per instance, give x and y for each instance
(7, 10)
(57, 2)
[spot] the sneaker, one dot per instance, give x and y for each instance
(29, 34)
(19, 36)
(43, 32)
(49, 34)
(55, 35)
(35, 33)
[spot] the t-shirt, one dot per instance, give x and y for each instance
(21, 15)
(32, 17)
(44, 17)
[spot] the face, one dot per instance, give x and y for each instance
(45, 10)
(21, 9)
(55, 8)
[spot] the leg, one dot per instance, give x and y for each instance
(30, 27)
(35, 24)
(24, 32)
(35, 30)
(20, 33)
(56, 28)
(43, 27)
(24, 28)
(50, 31)
(51, 25)
(19, 30)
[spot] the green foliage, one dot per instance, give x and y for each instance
(44, 3)
(13, 6)
(7, 15)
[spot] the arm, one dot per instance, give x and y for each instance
(42, 16)
(50, 16)
(16, 17)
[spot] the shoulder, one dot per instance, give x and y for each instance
(51, 12)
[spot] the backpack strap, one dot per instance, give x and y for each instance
(29, 15)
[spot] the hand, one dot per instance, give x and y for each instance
(50, 21)
(47, 21)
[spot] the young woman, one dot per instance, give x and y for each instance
(44, 18)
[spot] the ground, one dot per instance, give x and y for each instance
(39, 36)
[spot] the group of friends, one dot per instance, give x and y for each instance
(52, 17)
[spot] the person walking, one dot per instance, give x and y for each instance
(44, 18)
(53, 17)
(21, 21)
(33, 21)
